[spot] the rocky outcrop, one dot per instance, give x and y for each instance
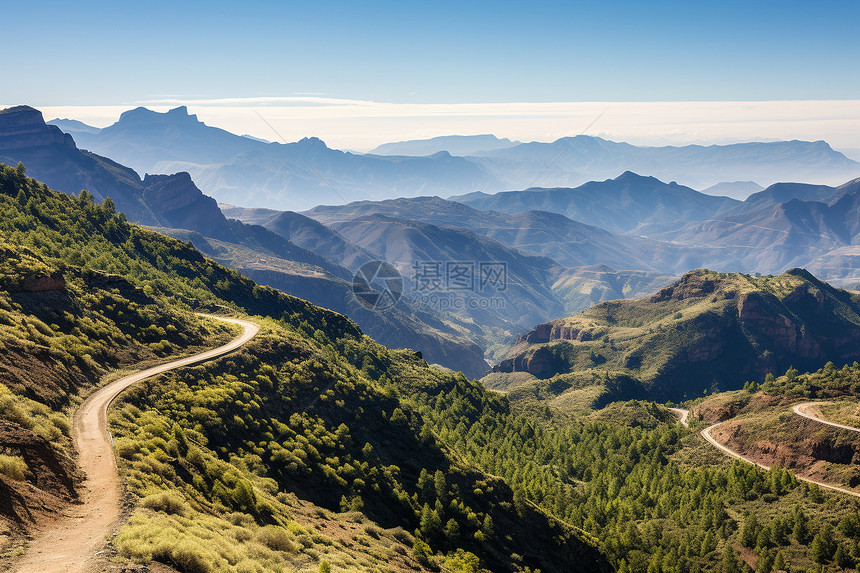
(542, 363)
(550, 331)
(24, 127)
(183, 206)
(691, 286)
(42, 283)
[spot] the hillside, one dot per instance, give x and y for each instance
(305, 448)
(708, 331)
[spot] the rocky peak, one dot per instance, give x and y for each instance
(312, 143)
(179, 201)
(181, 112)
(24, 127)
(694, 284)
(171, 192)
(144, 116)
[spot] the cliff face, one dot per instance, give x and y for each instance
(708, 329)
(52, 157)
(182, 205)
(24, 127)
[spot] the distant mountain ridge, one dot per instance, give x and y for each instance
(297, 176)
(453, 144)
(624, 204)
(571, 161)
(292, 176)
(73, 126)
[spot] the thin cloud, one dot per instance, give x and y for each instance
(363, 124)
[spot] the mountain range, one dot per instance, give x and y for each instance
(574, 160)
(454, 144)
(296, 176)
(175, 205)
(564, 248)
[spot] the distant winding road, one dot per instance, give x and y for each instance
(798, 409)
(69, 544)
(801, 410)
(682, 416)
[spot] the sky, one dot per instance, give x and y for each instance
(361, 73)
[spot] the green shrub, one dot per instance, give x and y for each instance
(13, 467)
(166, 502)
(277, 539)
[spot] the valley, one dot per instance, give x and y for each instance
(578, 413)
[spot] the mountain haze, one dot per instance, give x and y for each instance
(290, 176)
(454, 144)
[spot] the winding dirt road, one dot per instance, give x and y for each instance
(706, 433)
(682, 416)
(69, 544)
(801, 410)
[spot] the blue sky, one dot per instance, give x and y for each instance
(397, 65)
(433, 52)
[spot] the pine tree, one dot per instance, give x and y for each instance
(108, 207)
(779, 562)
(749, 533)
(843, 558)
(730, 562)
(801, 526)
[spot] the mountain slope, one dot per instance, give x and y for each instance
(708, 330)
(312, 408)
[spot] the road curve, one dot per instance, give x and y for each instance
(800, 410)
(683, 415)
(706, 433)
(69, 544)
